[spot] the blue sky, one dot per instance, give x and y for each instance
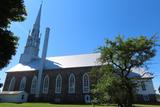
(80, 26)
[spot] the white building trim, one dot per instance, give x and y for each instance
(58, 87)
(12, 84)
(72, 82)
(34, 85)
(22, 84)
(45, 84)
(86, 83)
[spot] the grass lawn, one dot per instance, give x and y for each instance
(58, 105)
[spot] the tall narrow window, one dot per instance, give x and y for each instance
(22, 84)
(71, 84)
(34, 85)
(86, 85)
(12, 84)
(143, 85)
(45, 84)
(58, 87)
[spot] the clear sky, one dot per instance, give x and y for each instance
(80, 26)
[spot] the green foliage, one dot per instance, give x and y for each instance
(10, 10)
(133, 52)
(118, 58)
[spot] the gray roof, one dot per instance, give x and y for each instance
(141, 73)
(72, 61)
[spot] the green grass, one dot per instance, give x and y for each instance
(42, 105)
(146, 105)
(59, 105)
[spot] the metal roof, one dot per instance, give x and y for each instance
(72, 61)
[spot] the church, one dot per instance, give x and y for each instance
(60, 79)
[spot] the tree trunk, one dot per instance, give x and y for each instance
(129, 101)
(129, 97)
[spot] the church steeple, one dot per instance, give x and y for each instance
(36, 26)
(32, 46)
(38, 19)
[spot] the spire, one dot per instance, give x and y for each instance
(36, 26)
(38, 19)
(31, 50)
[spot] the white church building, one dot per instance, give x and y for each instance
(60, 79)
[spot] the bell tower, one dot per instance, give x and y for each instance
(31, 50)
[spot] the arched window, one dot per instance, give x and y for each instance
(45, 84)
(58, 84)
(71, 83)
(86, 85)
(12, 84)
(22, 84)
(34, 85)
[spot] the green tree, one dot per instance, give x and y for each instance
(118, 58)
(10, 11)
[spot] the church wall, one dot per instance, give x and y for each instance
(64, 96)
(149, 87)
(19, 75)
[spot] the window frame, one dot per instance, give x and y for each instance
(12, 84)
(34, 82)
(58, 89)
(143, 86)
(22, 83)
(71, 90)
(86, 89)
(45, 86)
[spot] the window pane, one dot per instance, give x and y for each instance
(72, 83)
(58, 84)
